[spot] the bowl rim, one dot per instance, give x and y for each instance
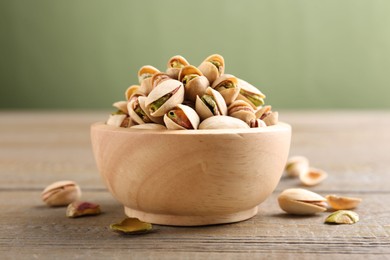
(279, 127)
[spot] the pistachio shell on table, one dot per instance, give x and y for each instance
(296, 165)
(250, 94)
(164, 97)
(227, 85)
(131, 226)
(242, 110)
(211, 103)
(301, 202)
(61, 193)
(212, 67)
(312, 176)
(341, 202)
(223, 122)
(194, 82)
(82, 208)
(174, 65)
(181, 117)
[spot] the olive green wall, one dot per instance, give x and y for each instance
(302, 54)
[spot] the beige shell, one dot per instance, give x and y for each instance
(257, 123)
(229, 94)
(158, 78)
(242, 110)
(149, 126)
(342, 203)
(173, 70)
(164, 88)
(121, 106)
(146, 87)
(301, 202)
(222, 122)
(312, 177)
(61, 193)
(116, 119)
(134, 116)
(131, 92)
(209, 70)
(296, 165)
(261, 112)
(196, 86)
(146, 71)
(248, 89)
(271, 118)
(203, 110)
(189, 112)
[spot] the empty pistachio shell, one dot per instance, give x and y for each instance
(296, 165)
(312, 177)
(301, 202)
(82, 208)
(342, 217)
(61, 193)
(250, 94)
(222, 122)
(131, 226)
(212, 67)
(339, 202)
(181, 117)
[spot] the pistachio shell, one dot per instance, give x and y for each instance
(172, 89)
(146, 71)
(301, 202)
(135, 105)
(271, 118)
(247, 90)
(210, 70)
(174, 65)
(188, 70)
(262, 111)
(339, 202)
(222, 122)
(158, 120)
(196, 87)
(61, 193)
(204, 111)
(229, 94)
(116, 119)
(296, 165)
(312, 177)
(121, 106)
(158, 78)
(149, 126)
(131, 91)
(242, 110)
(146, 87)
(189, 113)
(342, 217)
(257, 123)
(131, 226)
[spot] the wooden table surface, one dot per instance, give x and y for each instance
(38, 148)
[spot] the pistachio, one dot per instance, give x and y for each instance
(338, 202)
(61, 193)
(301, 202)
(131, 226)
(312, 177)
(116, 119)
(82, 208)
(271, 118)
(296, 165)
(342, 217)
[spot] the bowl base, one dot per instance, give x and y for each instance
(178, 220)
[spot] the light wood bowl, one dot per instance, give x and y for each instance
(191, 177)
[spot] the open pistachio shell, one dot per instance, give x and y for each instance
(158, 120)
(261, 112)
(174, 65)
(158, 78)
(296, 165)
(257, 123)
(181, 117)
(210, 104)
(164, 97)
(137, 114)
(194, 82)
(250, 94)
(149, 126)
(312, 177)
(222, 122)
(212, 67)
(131, 92)
(121, 106)
(340, 202)
(146, 71)
(301, 202)
(227, 85)
(242, 110)
(116, 119)
(146, 87)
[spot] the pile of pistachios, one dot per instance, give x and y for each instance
(189, 97)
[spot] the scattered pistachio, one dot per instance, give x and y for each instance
(301, 202)
(82, 208)
(342, 217)
(312, 176)
(61, 193)
(338, 202)
(296, 165)
(131, 226)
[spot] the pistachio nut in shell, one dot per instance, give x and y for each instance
(262, 112)
(223, 122)
(158, 78)
(145, 72)
(194, 82)
(136, 112)
(296, 165)
(312, 177)
(342, 217)
(116, 119)
(164, 97)
(181, 117)
(250, 94)
(131, 226)
(174, 65)
(227, 85)
(211, 103)
(271, 118)
(82, 208)
(212, 67)
(242, 110)
(301, 202)
(121, 106)
(146, 87)
(341, 202)
(131, 92)
(61, 193)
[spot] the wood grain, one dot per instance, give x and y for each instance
(37, 148)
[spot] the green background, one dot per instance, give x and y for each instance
(301, 54)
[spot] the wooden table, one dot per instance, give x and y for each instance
(37, 148)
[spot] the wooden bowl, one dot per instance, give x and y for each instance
(191, 177)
